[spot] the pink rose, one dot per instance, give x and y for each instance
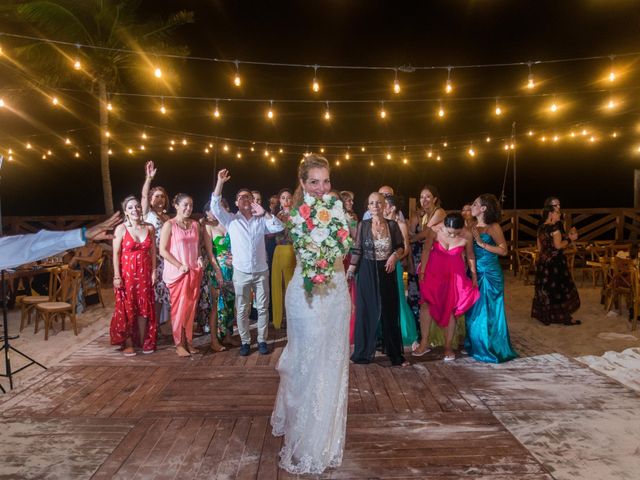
(322, 263)
(319, 278)
(310, 224)
(343, 234)
(304, 210)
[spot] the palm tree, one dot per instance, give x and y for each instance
(113, 29)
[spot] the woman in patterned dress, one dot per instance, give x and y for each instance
(155, 202)
(556, 296)
(284, 260)
(134, 258)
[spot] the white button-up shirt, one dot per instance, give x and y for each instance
(247, 237)
(20, 249)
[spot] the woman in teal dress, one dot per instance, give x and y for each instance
(407, 319)
(487, 337)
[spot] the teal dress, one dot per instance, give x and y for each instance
(226, 299)
(486, 323)
(407, 319)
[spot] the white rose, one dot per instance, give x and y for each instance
(319, 235)
(309, 200)
(297, 219)
(326, 197)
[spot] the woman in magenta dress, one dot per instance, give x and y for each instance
(134, 266)
(180, 248)
(446, 290)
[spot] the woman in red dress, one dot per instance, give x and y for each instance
(134, 266)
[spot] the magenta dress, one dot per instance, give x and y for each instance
(446, 287)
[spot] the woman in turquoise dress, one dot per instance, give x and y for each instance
(487, 337)
(407, 319)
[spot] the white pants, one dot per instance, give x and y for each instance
(244, 284)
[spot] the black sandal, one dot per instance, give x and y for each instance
(574, 322)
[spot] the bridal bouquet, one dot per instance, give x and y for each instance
(320, 233)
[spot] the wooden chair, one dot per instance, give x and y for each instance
(28, 303)
(619, 247)
(91, 271)
(623, 272)
(594, 266)
(527, 257)
(65, 306)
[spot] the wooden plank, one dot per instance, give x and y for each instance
(216, 449)
(250, 461)
(393, 389)
(369, 403)
(268, 466)
(198, 448)
(230, 463)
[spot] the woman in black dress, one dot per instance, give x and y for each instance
(556, 296)
(379, 244)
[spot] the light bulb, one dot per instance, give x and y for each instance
(530, 83)
(77, 155)
(556, 138)
(327, 115)
(584, 132)
(157, 72)
(77, 65)
(530, 133)
(1, 102)
(253, 149)
(172, 142)
(388, 156)
(281, 150)
(553, 108)
(144, 136)
(322, 150)
(273, 159)
(225, 147)
(109, 106)
(506, 147)
(44, 156)
(441, 112)
(184, 141)
(612, 76)
(28, 146)
(448, 88)
(216, 113)
(270, 114)
(67, 141)
(107, 134)
(512, 146)
(206, 150)
(429, 154)
(315, 86)
(488, 139)
(363, 149)
(438, 158)
(592, 139)
(130, 151)
(49, 152)
(211, 145)
(573, 134)
(614, 134)
(347, 156)
(238, 155)
(498, 111)
(472, 152)
(405, 161)
(371, 163)
(611, 104)
(142, 147)
(266, 153)
(109, 152)
(396, 86)
(445, 144)
(337, 163)
(55, 100)
(163, 110)
(383, 113)
(171, 148)
(543, 139)
(237, 81)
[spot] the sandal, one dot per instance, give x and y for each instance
(129, 352)
(417, 353)
(449, 357)
(218, 347)
(573, 322)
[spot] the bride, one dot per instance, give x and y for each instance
(311, 406)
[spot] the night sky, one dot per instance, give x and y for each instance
(352, 32)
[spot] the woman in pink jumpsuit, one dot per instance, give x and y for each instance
(180, 247)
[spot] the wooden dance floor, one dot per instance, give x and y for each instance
(100, 415)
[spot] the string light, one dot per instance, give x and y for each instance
(130, 151)
(184, 141)
(429, 154)
(55, 101)
(67, 141)
(553, 108)
(270, 113)
(2, 104)
(281, 150)
(614, 135)
(337, 163)
(216, 111)
(322, 150)
(49, 152)
(498, 109)
(440, 110)
(404, 160)
(157, 72)
(315, 86)
(612, 73)
(28, 146)
(225, 147)
(363, 149)
(142, 147)
(110, 152)
(206, 150)
(238, 155)
(144, 136)
(266, 152)
(530, 133)
(396, 83)
(388, 156)
(371, 163)
(77, 65)
(44, 156)
(347, 156)
(488, 139)
(327, 113)
(471, 151)
(237, 81)
(530, 83)
(556, 138)
(445, 144)
(109, 106)
(383, 113)
(77, 155)
(448, 88)
(171, 148)
(163, 110)
(273, 159)
(438, 158)
(172, 142)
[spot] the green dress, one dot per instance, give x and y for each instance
(226, 299)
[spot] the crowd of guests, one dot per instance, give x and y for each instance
(177, 271)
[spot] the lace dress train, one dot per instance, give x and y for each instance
(311, 405)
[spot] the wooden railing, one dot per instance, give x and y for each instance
(619, 224)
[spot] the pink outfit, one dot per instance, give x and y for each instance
(184, 288)
(446, 287)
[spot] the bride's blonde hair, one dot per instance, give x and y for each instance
(307, 163)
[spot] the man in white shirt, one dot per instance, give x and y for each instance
(247, 229)
(17, 250)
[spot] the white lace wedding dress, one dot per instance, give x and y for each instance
(311, 406)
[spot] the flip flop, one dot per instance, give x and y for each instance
(415, 353)
(449, 358)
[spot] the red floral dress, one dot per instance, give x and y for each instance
(136, 296)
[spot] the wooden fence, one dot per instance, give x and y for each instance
(619, 224)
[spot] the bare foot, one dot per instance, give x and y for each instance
(216, 346)
(191, 349)
(129, 352)
(182, 352)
